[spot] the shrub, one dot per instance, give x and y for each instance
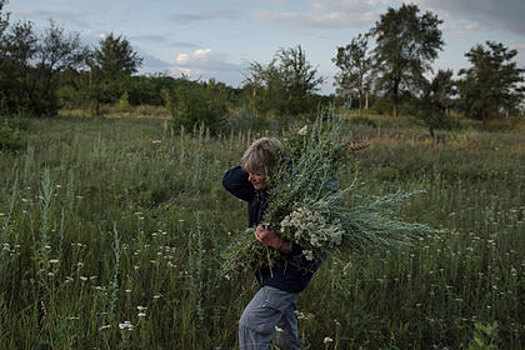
(10, 134)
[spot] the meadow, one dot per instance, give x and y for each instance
(112, 229)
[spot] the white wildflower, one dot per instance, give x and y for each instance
(327, 340)
(104, 327)
(303, 130)
(308, 254)
(126, 326)
(53, 261)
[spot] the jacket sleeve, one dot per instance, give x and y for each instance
(236, 182)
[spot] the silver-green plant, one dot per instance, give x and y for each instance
(307, 206)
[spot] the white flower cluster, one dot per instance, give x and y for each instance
(308, 226)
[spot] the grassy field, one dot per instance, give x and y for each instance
(111, 233)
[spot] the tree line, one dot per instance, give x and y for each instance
(388, 68)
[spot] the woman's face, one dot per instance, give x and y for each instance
(258, 180)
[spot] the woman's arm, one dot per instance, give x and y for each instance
(236, 182)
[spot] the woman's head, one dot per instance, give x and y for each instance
(260, 158)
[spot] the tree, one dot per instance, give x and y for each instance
(112, 65)
(406, 44)
(285, 84)
(355, 67)
(494, 84)
(200, 103)
(31, 64)
(436, 100)
(115, 57)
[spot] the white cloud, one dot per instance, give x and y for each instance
(326, 14)
(335, 19)
(206, 64)
(182, 58)
(343, 5)
(198, 57)
(202, 54)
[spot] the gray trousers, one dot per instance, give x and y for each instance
(269, 317)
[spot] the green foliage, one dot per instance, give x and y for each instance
(493, 86)
(124, 190)
(10, 133)
(123, 103)
(354, 63)
(285, 85)
(111, 66)
(31, 64)
(306, 205)
(115, 58)
(406, 44)
(366, 121)
(199, 103)
(434, 106)
(485, 337)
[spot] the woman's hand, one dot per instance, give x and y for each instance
(271, 239)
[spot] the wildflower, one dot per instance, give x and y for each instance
(158, 296)
(104, 327)
(300, 315)
(83, 278)
(303, 130)
(327, 340)
(126, 325)
(308, 254)
(141, 314)
(156, 142)
(141, 308)
(278, 329)
(53, 261)
(128, 291)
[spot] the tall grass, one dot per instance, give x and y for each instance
(112, 229)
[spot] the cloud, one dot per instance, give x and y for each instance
(183, 58)
(490, 14)
(206, 64)
(188, 18)
(152, 64)
(325, 14)
(164, 40)
(75, 18)
(317, 20)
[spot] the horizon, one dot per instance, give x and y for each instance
(207, 40)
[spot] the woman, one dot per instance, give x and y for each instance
(273, 306)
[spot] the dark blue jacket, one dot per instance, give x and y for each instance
(293, 275)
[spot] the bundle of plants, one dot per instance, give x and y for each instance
(307, 206)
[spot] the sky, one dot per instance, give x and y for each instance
(219, 38)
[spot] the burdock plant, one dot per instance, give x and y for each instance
(307, 206)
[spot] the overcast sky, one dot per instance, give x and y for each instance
(219, 38)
